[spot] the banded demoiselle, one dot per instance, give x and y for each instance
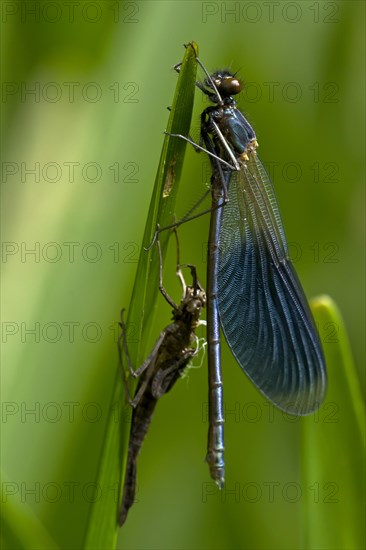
(253, 291)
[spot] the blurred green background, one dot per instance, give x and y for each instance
(92, 131)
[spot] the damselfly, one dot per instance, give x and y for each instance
(253, 291)
(173, 350)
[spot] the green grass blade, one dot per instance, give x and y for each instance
(162, 206)
(334, 445)
(102, 526)
(21, 528)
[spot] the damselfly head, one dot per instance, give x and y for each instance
(195, 306)
(227, 83)
(195, 300)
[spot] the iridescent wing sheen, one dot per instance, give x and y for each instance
(266, 321)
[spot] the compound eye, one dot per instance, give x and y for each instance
(230, 86)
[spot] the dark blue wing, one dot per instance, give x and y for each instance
(266, 321)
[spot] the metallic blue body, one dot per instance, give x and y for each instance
(253, 291)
